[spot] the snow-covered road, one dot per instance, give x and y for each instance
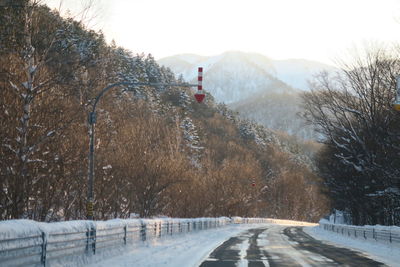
(245, 245)
(277, 245)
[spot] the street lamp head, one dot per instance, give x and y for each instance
(396, 106)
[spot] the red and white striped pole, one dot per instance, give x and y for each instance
(200, 95)
(200, 79)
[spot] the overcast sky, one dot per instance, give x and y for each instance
(311, 29)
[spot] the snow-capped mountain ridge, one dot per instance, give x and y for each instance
(234, 76)
(259, 88)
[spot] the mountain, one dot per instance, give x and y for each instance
(259, 88)
(234, 76)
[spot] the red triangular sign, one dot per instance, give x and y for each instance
(199, 97)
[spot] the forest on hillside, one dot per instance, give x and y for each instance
(158, 151)
(277, 111)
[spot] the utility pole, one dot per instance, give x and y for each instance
(92, 121)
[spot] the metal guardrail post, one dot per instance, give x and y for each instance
(93, 238)
(44, 249)
(87, 240)
(125, 231)
(143, 232)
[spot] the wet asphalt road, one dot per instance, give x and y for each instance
(282, 246)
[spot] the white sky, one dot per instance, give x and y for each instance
(312, 29)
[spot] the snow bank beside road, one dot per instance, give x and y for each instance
(380, 252)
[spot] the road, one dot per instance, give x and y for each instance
(278, 245)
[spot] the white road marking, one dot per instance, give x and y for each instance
(244, 246)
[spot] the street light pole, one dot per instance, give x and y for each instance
(92, 122)
(90, 194)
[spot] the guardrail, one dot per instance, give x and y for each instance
(382, 235)
(46, 243)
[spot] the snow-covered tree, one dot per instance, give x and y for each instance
(40, 64)
(354, 113)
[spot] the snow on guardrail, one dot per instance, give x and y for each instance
(382, 234)
(25, 242)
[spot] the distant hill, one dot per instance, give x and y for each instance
(259, 88)
(234, 76)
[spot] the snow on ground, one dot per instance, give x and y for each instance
(377, 251)
(182, 250)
